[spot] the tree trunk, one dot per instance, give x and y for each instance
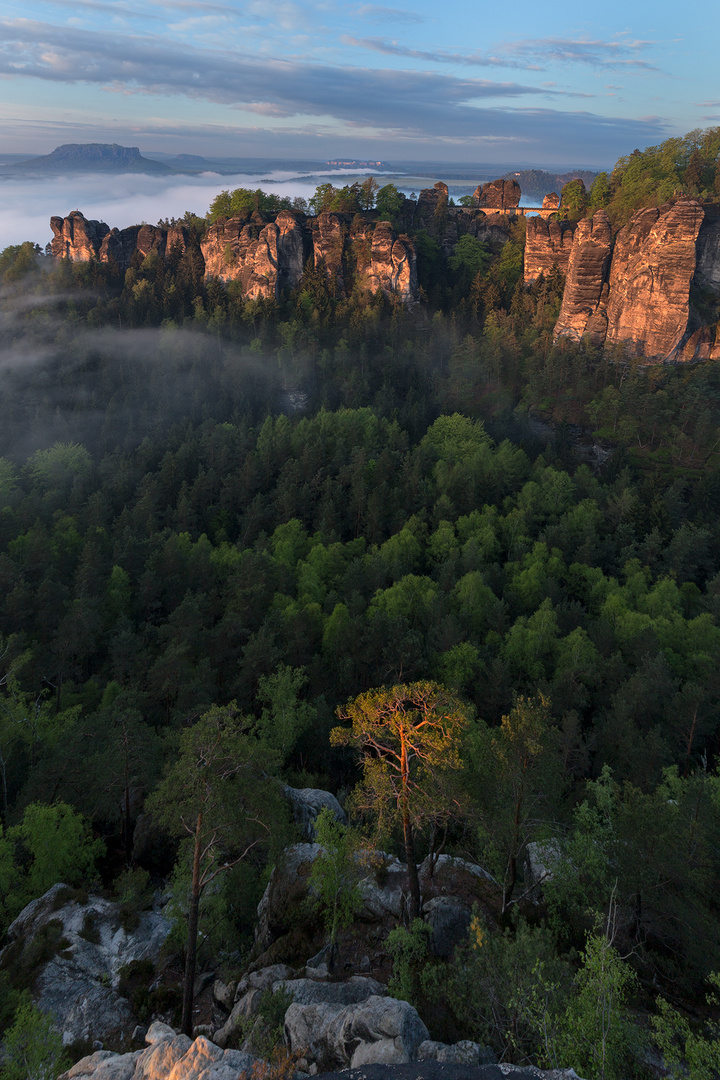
(186, 1024)
(413, 878)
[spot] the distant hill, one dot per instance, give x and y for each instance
(536, 183)
(87, 157)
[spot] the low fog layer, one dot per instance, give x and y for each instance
(125, 199)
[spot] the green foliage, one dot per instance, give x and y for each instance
(517, 772)
(596, 1032)
(505, 989)
(335, 873)
(412, 969)
(242, 202)
(285, 718)
(389, 203)
(266, 1034)
(688, 1052)
(32, 1048)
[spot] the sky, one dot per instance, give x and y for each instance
(568, 84)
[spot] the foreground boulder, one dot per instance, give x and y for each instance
(168, 1055)
(380, 1030)
(301, 991)
(307, 803)
(85, 947)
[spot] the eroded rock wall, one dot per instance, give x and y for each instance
(653, 266)
(81, 240)
(392, 265)
(583, 310)
(547, 244)
(263, 257)
(77, 239)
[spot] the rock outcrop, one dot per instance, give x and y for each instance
(547, 244)
(583, 310)
(307, 803)
(392, 266)
(81, 240)
(379, 1030)
(78, 985)
(264, 258)
(168, 1057)
(499, 196)
(550, 203)
(648, 294)
(652, 269)
(77, 239)
(329, 234)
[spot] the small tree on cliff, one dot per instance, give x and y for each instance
(409, 736)
(218, 795)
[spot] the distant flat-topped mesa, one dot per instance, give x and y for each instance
(636, 293)
(90, 157)
(265, 254)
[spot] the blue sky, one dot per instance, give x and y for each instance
(562, 84)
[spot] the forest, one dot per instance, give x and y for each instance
(254, 519)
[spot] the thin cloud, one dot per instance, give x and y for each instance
(377, 13)
(439, 56)
(592, 52)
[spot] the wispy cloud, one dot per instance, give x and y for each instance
(436, 56)
(377, 13)
(593, 52)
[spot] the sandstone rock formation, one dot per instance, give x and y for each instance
(392, 265)
(80, 240)
(550, 203)
(652, 269)
(584, 302)
(77, 239)
(329, 235)
(547, 244)
(78, 985)
(264, 258)
(499, 196)
(431, 201)
(168, 1057)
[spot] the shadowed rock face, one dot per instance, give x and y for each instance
(585, 297)
(430, 201)
(498, 195)
(547, 244)
(653, 265)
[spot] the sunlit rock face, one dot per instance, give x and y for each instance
(329, 234)
(386, 262)
(583, 310)
(263, 257)
(653, 266)
(547, 245)
(77, 239)
(81, 240)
